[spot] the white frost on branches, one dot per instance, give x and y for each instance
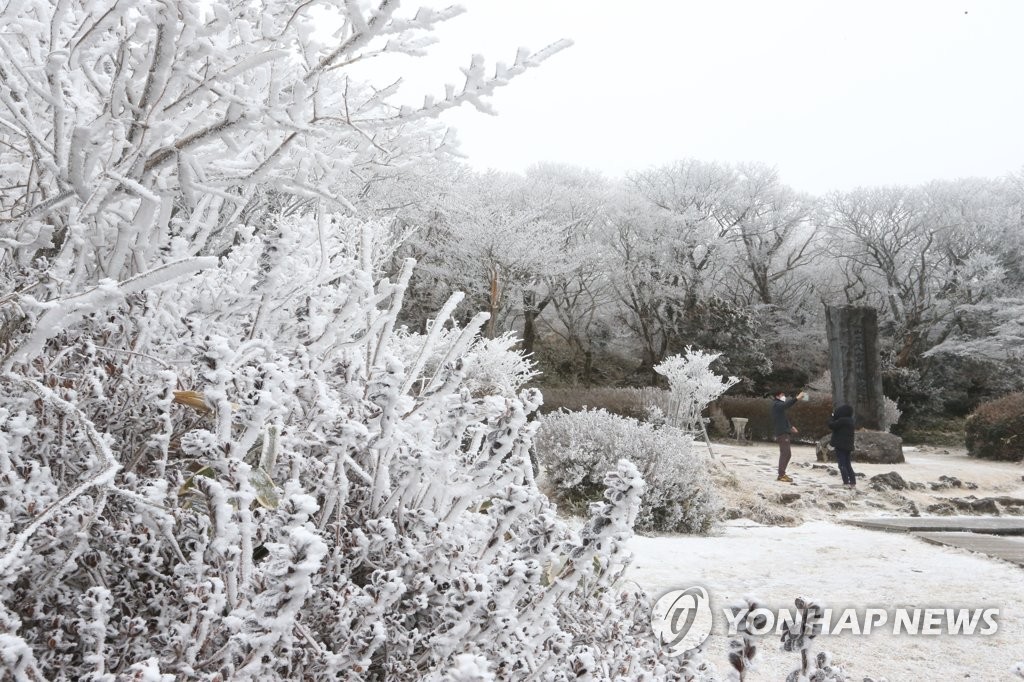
(284, 507)
(693, 386)
(220, 457)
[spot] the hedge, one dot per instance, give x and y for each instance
(625, 402)
(810, 417)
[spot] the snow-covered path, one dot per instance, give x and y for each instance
(843, 566)
(814, 555)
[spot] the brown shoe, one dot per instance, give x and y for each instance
(784, 478)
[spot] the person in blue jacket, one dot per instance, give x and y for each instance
(842, 425)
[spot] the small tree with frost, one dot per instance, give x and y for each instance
(693, 385)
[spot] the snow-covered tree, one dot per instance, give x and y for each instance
(693, 385)
(675, 242)
(918, 253)
(741, 220)
(219, 457)
(502, 237)
(140, 134)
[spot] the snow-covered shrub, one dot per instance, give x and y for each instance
(625, 402)
(577, 448)
(233, 478)
(693, 385)
(890, 413)
(216, 459)
(491, 366)
(996, 429)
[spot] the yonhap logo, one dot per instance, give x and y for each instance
(682, 619)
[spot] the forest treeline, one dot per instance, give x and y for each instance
(603, 278)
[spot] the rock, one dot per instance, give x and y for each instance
(908, 507)
(961, 504)
(788, 498)
(971, 486)
(837, 505)
(889, 481)
(914, 485)
(951, 481)
(941, 509)
(873, 447)
(985, 506)
(1007, 501)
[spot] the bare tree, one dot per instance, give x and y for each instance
(774, 239)
(140, 133)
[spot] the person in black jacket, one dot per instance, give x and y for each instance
(782, 429)
(842, 424)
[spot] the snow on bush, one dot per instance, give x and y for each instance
(798, 635)
(577, 448)
(182, 496)
(491, 366)
(217, 460)
(891, 413)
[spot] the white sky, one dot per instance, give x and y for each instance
(835, 94)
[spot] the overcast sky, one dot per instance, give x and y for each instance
(835, 94)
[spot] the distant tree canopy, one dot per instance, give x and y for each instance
(603, 279)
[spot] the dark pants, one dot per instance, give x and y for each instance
(845, 469)
(784, 452)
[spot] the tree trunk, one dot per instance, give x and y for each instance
(531, 311)
(493, 303)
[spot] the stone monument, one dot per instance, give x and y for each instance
(855, 365)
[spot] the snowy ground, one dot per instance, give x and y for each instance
(814, 555)
(747, 480)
